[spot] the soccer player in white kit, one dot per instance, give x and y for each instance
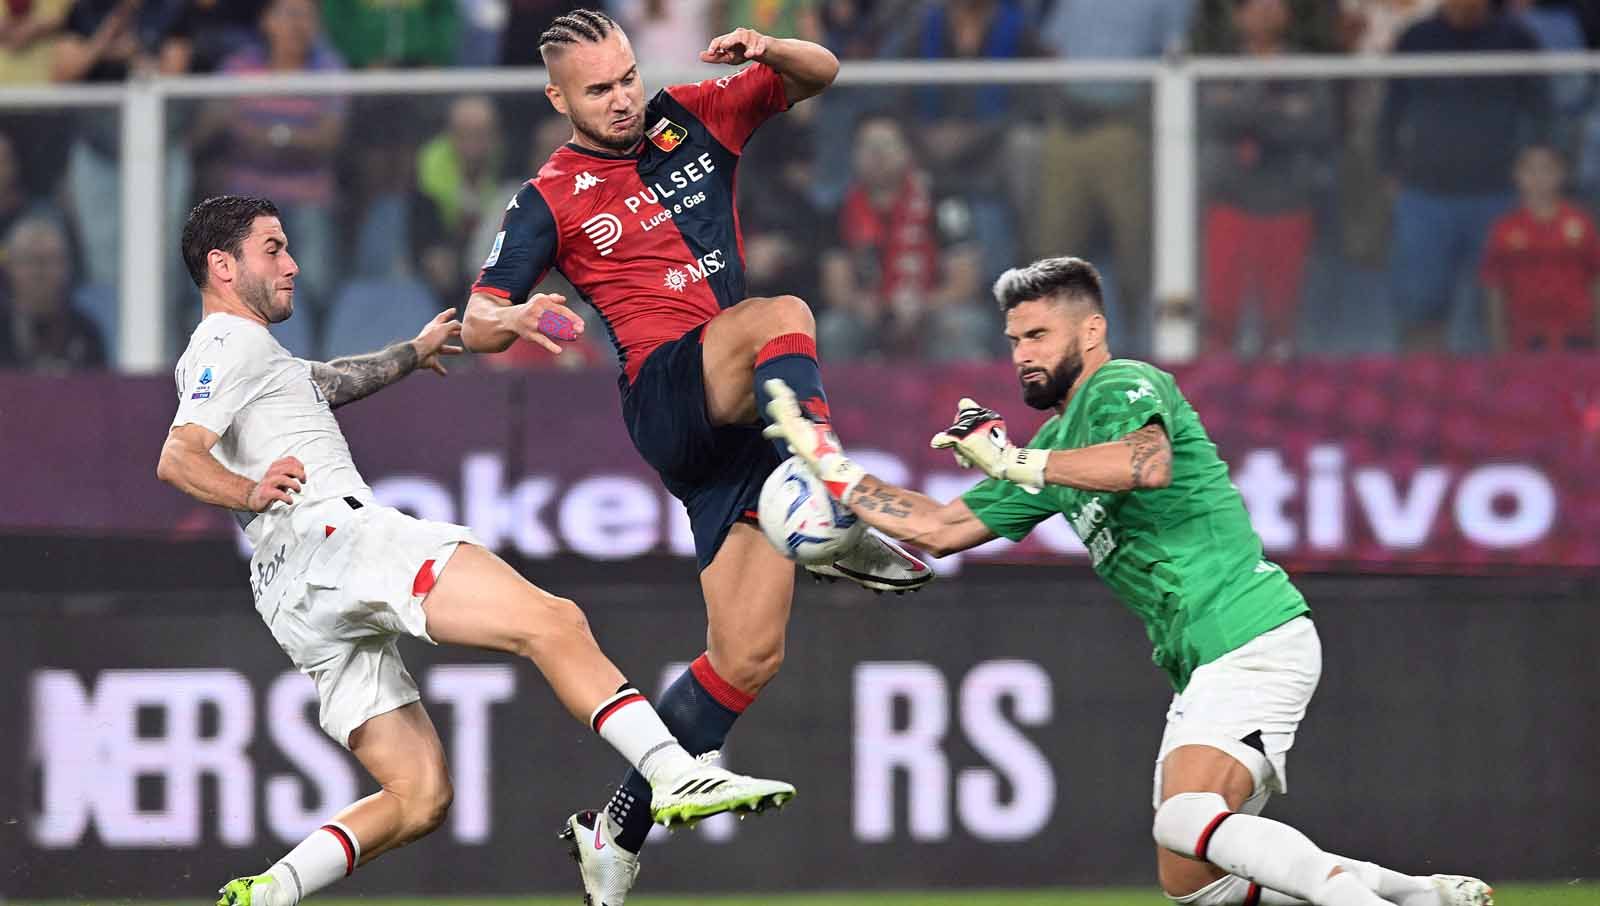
(338, 578)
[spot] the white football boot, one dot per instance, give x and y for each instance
(608, 870)
(876, 563)
(1460, 890)
(707, 790)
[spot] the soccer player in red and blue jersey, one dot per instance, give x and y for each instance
(637, 212)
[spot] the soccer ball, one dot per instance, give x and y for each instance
(801, 519)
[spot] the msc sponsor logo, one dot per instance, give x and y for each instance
(695, 271)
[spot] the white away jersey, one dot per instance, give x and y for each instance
(235, 380)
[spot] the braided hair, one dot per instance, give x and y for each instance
(585, 26)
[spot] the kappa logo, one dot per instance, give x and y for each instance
(603, 230)
(585, 180)
(512, 203)
(666, 134)
(1145, 389)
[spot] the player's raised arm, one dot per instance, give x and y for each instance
(1139, 459)
(353, 377)
(501, 309)
(187, 464)
(807, 68)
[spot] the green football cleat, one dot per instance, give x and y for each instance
(237, 892)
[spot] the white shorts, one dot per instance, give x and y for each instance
(344, 599)
(1248, 703)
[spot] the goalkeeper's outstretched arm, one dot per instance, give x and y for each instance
(918, 519)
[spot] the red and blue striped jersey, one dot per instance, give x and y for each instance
(649, 238)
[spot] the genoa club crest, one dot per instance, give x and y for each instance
(666, 134)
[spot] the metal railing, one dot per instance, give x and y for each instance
(140, 345)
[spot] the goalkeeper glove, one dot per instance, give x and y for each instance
(978, 438)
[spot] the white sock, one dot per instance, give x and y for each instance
(1404, 889)
(330, 853)
(632, 726)
(1345, 889)
(1266, 852)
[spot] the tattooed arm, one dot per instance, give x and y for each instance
(937, 528)
(1138, 460)
(353, 377)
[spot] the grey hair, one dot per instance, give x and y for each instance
(1064, 278)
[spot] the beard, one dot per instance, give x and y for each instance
(619, 144)
(1048, 393)
(258, 295)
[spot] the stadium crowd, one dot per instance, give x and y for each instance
(1344, 216)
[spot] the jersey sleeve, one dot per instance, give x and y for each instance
(734, 105)
(1125, 399)
(523, 250)
(220, 379)
(1006, 509)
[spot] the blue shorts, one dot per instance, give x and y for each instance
(716, 471)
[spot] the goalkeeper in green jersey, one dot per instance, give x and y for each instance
(1125, 459)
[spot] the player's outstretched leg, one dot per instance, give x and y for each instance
(402, 752)
(748, 589)
(762, 340)
(482, 602)
(1273, 864)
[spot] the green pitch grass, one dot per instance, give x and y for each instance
(1551, 894)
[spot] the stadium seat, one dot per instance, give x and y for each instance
(369, 314)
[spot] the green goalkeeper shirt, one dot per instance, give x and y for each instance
(1184, 558)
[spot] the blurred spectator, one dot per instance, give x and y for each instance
(105, 41)
(1313, 26)
(283, 147)
(783, 229)
(1541, 265)
(28, 34)
(17, 198)
(906, 281)
(1448, 143)
(856, 29)
(1262, 169)
(779, 18)
(1374, 26)
(482, 22)
(526, 20)
(39, 328)
(380, 33)
(1094, 166)
(967, 135)
(458, 174)
(664, 32)
(1364, 206)
(216, 29)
